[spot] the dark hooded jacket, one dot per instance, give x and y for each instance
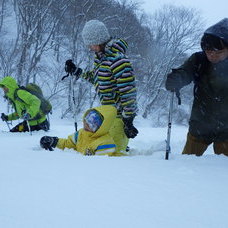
(220, 30)
(209, 116)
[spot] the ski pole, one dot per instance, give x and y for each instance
(168, 149)
(75, 72)
(74, 104)
(29, 128)
(169, 127)
(5, 120)
(73, 98)
(7, 125)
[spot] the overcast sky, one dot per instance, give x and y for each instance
(212, 10)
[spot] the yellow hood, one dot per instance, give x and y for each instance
(109, 114)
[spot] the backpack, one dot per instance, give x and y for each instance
(35, 90)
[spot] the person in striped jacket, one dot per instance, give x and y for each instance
(113, 78)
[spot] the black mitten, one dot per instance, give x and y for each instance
(48, 142)
(173, 81)
(78, 72)
(71, 68)
(129, 129)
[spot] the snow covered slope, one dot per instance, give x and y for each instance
(45, 189)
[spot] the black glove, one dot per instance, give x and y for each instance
(173, 81)
(48, 142)
(4, 117)
(129, 129)
(71, 68)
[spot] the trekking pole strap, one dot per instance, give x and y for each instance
(65, 77)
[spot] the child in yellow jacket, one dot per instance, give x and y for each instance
(93, 138)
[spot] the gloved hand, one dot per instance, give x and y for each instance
(4, 117)
(71, 68)
(48, 142)
(129, 129)
(26, 116)
(173, 81)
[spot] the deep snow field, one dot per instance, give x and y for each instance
(58, 189)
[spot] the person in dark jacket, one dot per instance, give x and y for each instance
(112, 77)
(209, 71)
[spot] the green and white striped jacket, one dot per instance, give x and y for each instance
(114, 79)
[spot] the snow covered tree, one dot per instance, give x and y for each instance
(175, 31)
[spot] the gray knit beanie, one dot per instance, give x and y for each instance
(95, 32)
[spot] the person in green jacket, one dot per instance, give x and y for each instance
(209, 71)
(26, 105)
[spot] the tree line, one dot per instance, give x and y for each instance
(38, 36)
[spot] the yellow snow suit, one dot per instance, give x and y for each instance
(97, 143)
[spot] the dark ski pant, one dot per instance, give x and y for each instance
(198, 146)
(23, 127)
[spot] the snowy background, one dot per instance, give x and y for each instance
(211, 11)
(43, 189)
(58, 189)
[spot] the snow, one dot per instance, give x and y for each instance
(211, 11)
(58, 188)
